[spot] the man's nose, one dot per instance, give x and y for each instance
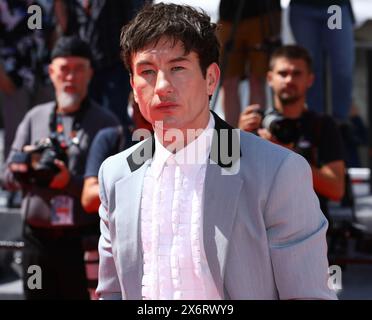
(163, 84)
(70, 75)
(288, 78)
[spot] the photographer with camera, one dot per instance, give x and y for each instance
(47, 162)
(292, 125)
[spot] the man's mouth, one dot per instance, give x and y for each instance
(165, 106)
(289, 88)
(69, 88)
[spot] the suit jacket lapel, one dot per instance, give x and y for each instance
(128, 225)
(128, 195)
(221, 195)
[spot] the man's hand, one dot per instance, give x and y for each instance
(20, 172)
(266, 134)
(18, 167)
(250, 119)
(62, 178)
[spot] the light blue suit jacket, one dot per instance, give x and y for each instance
(263, 230)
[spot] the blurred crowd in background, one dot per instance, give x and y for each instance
(249, 33)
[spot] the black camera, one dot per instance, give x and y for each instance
(285, 130)
(40, 160)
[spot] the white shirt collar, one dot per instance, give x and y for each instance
(190, 158)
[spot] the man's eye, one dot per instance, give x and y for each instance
(79, 69)
(147, 72)
(177, 68)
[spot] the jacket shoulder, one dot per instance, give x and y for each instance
(254, 145)
(263, 159)
(41, 109)
(116, 166)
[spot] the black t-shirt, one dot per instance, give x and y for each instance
(321, 131)
(105, 144)
(321, 135)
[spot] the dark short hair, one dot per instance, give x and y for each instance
(292, 52)
(71, 46)
(178, 23)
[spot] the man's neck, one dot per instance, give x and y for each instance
(72, 107)
(292, 110)
(176, 139)
(68, 109)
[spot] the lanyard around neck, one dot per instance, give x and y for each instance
(57, 128)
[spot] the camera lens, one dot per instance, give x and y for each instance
(285, 130)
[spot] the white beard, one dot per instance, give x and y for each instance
(68, 102)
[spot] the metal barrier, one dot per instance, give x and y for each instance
(353, 238)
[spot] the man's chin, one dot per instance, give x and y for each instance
(288, 99)
(167, 122)
(68, 102)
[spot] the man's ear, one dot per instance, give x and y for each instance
(310, 80)
(135, 97)
(50, 70)
(212, 77)
(269, 78)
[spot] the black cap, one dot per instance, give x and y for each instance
(69, 46)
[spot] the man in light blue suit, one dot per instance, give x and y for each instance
(200, 210)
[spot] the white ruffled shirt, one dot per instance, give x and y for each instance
(175, 264)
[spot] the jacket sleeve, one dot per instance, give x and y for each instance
(296, 230)
(22, 138)
(108, 281)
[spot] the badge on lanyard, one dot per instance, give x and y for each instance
(62, 211)
(74, 138)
